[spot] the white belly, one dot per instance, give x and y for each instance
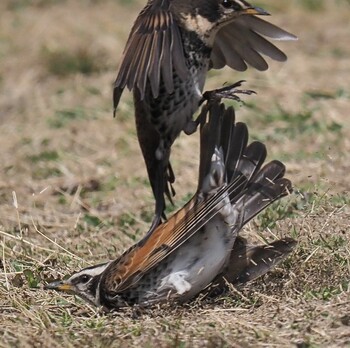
(196, 263)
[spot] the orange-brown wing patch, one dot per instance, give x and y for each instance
(167, 237)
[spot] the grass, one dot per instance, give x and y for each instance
(73, 188)
(63, 63)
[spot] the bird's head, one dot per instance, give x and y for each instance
(84, 283)
(206, 17)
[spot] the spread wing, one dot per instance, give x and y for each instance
(153, 50)
(243, 41)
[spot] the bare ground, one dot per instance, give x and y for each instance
(73, 188)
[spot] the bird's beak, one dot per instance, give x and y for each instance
(258, 11)
(59, 285)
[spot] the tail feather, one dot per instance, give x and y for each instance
(234, 186)
(216, 177)
(235, 148)
(221, 131)
(248, 262)
(251, 187)
(227, 129)
(256, 154)
(267, 186)
(248, 165)
(261, 197)
(272, 171)
(209, 138)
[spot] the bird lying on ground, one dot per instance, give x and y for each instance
(199, 244)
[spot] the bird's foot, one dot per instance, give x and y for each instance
(227, 92)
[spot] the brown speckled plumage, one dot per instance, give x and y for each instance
(169, 51)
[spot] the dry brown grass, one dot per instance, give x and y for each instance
(82, 196)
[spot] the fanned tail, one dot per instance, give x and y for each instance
(248, 262)
(251, 187)
(242, 162)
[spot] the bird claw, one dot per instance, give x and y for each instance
(227, 92)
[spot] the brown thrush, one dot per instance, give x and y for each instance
(198, 244)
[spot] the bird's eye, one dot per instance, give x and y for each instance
(85, 278)
(231, 4)
(226, 3)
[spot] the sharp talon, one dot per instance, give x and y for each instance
(227, 92)
(232, 86)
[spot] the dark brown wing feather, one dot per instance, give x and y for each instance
(209, 133)
(153, 49)
(267, 186)
(248, 262)
(243, 41)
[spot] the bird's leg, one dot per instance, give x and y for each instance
(158, 191)
(161, 178)
(227, 92)
(213, 96)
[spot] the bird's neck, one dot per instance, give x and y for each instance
(194, 47)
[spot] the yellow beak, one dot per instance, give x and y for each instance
(59, 285)
(255, 11)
